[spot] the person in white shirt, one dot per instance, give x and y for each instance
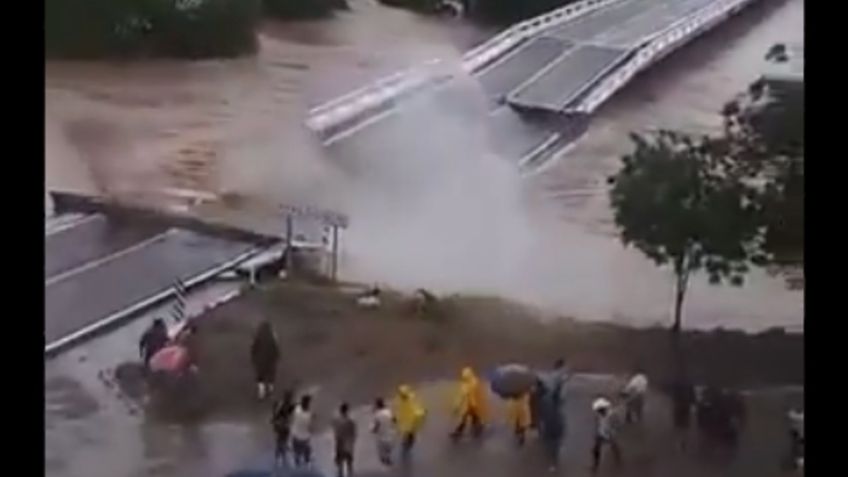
(301, 432)
(634, 394)
(384, 431)
(605, 433)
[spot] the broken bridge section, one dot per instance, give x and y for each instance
(110, 264)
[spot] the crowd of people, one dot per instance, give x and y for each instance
(395, 424)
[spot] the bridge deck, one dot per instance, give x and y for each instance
(436, 119)
(627, 24)
(85, 296)
(563, 81)
(504, 76)
(94, 238)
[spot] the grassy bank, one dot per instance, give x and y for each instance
(325, 338)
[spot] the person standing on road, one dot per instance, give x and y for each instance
(281, 422)
(682, 404)
(384, 431)
(264, 354)
(470, 404)
(634, 393)
(301, 432)
(410, 416)
(344, 431)
(605, 433)
(518, 416)
(552, 426)
(153, 340)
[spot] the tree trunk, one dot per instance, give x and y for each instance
(681, 272)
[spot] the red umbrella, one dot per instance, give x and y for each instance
(173, 358)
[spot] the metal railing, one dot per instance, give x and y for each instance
(380, 94)
(662, 44)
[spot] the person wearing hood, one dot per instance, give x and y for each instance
(409, 415)
(470, 404)
(264, 355)
(518, 416)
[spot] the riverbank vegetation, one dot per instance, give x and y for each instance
(721, 203)
(150, 28)
(301, 9)
(493, 12)
(192, 29)
(505, 12)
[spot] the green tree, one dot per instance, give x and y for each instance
(764, 142)
(149, 28)
(302, 9)
(504, 12)
(421, 6)
(681, 207)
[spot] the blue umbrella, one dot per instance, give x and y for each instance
(512, 380)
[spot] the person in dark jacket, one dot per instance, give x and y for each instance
(682, 403)
(264, 355)
(153, 340)
(281, 423)
(552, 426)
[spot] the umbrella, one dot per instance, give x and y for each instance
(172, 358)
(512, 380)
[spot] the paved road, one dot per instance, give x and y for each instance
(100, 267)
(647, 450)
(567, 78)
(94, 237)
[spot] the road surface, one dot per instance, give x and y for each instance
(99, 266)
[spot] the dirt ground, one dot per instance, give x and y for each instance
(356, 354)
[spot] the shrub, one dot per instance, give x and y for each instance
(149, 28)
(503, 12)
(423, 6)
(301, 9)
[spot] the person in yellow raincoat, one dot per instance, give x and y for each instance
(470, 404)
(518, 416)
(409, 414)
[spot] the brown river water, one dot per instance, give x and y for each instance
(147, 132)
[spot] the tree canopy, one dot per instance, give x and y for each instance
(150, 28)
(678, 206)
(505, 12)
(764, 130)
(719, 203)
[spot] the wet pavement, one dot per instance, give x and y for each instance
(91, 432)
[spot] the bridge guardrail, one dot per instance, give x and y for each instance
(375, 96)
(662, 44)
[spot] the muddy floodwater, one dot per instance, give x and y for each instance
(232, 130)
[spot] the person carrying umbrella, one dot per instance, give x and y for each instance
(264, 355)
(518, 416)
(470, 404)
(409, 414)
